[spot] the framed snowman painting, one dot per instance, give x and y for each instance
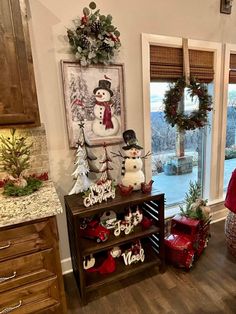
(94, 95)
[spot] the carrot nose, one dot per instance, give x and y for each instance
(98, 96)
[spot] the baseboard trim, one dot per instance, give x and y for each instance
(66, 266)
(219, 215)
(216, 216)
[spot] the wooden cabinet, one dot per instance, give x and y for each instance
(30, 270)
(18, 100)
(152, 239)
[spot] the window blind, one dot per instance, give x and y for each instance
(232, 68)
(166, 64)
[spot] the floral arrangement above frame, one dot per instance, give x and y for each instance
(94, 95)
(94, 39)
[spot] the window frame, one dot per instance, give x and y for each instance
(213, 158)
(228, 50)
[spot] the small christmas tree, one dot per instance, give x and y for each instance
(15, 154)
(14, 159)
(105, 167)
(193, 202)
(82, 181)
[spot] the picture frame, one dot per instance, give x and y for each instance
(94, 95)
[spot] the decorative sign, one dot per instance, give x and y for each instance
(99, 192)
(130, 221)
(130, 258)
(122, 225)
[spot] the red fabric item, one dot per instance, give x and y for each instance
(230, 200)
(107, 114)
(108, 266)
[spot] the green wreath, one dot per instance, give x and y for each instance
(197, 118)
(94, 39)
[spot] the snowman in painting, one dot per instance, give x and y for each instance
(105, 123)
(132, 174)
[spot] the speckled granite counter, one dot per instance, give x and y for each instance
(40, 204)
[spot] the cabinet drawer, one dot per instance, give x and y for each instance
(25, 239)
(26, 269)
(30, 298)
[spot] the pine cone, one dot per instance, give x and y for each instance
(84, 42)
(106, 47)
(96, 27)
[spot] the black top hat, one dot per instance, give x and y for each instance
(130, 139)
(104, 84)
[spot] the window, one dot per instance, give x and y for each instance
(167, 169)
(230, 141)
(177, 157)
(202, 146)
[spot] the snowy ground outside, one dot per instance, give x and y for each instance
(175, 187)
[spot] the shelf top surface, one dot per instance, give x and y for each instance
(75, 201)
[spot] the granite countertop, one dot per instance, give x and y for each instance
(40, 204)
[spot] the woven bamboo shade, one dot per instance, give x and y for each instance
(167, 64)
(232, 71)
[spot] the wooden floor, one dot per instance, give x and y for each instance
(210, 287)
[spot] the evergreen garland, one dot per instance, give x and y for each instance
(94, 39)
(33, 184)
(197, 118)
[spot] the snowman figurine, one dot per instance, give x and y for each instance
(132, 174)
(105, 123)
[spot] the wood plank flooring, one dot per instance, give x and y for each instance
(210, 287)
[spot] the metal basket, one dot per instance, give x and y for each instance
(230, 232)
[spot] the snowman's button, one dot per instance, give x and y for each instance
(100, 122)
(135, 183)
(135, 167)
(100, 108)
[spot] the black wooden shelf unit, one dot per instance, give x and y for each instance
(152, 239)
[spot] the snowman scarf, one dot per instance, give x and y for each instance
(107, 114)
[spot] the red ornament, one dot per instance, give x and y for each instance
(42, 176)
(146, 223)
(3, 182)
(147, 187)
(84, 20)
(125, 190)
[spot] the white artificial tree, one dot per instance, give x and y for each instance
(82, 181)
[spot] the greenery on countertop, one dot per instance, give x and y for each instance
(33, 184)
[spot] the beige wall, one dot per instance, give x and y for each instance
(199, 19)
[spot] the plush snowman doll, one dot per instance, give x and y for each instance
(105, 123)
(132, 174)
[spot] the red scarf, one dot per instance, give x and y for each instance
(107, 114)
